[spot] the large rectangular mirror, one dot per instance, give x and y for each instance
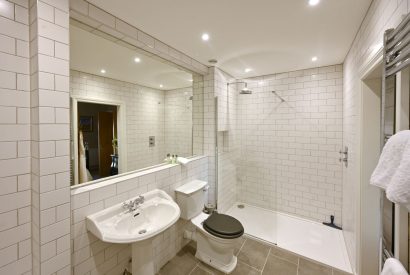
(129, 109)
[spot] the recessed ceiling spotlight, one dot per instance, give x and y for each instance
(191, 80)
(103, 71)
(247, 70)
(314, 2)
(314, 59)
(205, 36)
(137, 60)
(160, 85)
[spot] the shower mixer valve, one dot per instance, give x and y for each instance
(344, 156)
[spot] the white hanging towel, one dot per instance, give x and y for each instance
(83, 173)
(390, 159)
(398, 191)
(393, 266)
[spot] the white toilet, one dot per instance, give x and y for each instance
(216, 234)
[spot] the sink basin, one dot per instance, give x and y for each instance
(117, 225)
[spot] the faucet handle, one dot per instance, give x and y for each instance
(125, 205)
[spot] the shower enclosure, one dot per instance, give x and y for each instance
(278, 169)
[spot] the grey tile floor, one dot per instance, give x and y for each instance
(254, 258)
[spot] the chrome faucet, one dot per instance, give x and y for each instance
(139, 200)
(133, 205)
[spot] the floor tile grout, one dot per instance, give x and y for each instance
(239, 251)
(250, 266)
(297, 267)
(284, 259)
(193, 269)
(266, 260)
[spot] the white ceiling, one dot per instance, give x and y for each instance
(268, 36)
(90, 53)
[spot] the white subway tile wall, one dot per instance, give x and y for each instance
(382, 15)
(209, 127)
(227, 136)
(268, 154)
(198, 114)
(149, 112)
(92, 256)
(178, 121)
(289, 158)
(50, 181)
(15, 194)
(145, 113)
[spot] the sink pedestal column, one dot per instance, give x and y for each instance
(142, 258)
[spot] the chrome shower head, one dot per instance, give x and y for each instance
(245, 90)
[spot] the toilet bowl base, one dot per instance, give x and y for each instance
(212, 250)
(217, 264)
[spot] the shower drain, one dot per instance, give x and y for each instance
(241, 206)
(143, 231)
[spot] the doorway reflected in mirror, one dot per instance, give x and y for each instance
(99, 140)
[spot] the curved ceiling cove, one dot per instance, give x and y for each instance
(269, 36)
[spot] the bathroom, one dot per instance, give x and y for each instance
(241, 137)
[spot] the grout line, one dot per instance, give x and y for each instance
(240, 249)
(193, 269)
(297, 267)
(266, 260)
(284, 259)
(259, 270)
(206, 269)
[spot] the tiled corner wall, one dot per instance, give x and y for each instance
(35, 123)
(215, 86)
(210, 87)
(208, 145)
(382, 15)
(92, 256)
(227, 139)
(289, 158)
(15, 199)
(197, 114)
(50, 122)
(145, 114)
(178, 122)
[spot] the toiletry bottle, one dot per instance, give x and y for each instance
(176, 159)
(168, 158)
(173, 159)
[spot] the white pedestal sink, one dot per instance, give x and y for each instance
(117, 225)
